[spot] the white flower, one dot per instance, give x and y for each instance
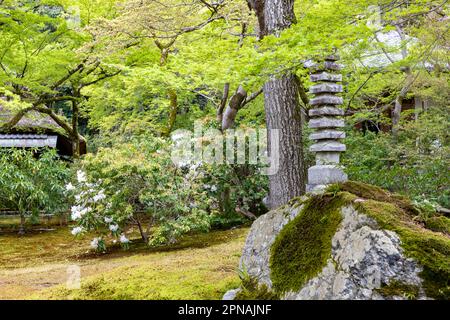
(213, 188)
(123, 239)
(70, 187)
(85, 210)
(113, 227)
(81, 176)
(108, 220)
(100, 196)
(76, 212)
(206, 186)
(77, 231)
(94, 243)
(75, 215)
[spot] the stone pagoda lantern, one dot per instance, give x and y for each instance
(327, 123)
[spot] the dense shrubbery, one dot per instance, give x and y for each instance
(136, 183)
(31, 182)
(416, 165)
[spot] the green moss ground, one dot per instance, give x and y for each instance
(200, 266)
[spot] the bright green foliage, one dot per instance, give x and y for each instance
(415, 166)
(30, 182)
(303, 246)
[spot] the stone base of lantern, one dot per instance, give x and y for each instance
(320, 176)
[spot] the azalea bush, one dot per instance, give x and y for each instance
(136, 184)
(32, 181)
(237, 189)
(91, 212)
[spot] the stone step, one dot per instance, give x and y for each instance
(326, 88)
(326, 111)
(326, 99)
(328, 146)
(325, 76)
(327, 134)
(325, 122)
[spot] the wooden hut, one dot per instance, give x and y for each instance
(36, 130)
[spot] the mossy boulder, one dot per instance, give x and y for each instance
(354, 241)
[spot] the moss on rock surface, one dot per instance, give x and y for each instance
(303, 247)
(399, 289)
(439, 224)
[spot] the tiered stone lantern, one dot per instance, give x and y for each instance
(325, 121)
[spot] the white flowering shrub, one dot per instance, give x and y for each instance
(91, 212)
(137, 185)
(144, 190)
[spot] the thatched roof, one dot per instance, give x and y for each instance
(32, 121)
(36, 130)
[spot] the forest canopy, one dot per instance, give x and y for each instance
(122, 75)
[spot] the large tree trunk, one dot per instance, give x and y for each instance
(283, 114)
(282, 109)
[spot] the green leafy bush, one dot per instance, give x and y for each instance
(142, 187)
(415, 165)
(31, 182)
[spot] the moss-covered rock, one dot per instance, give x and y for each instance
(399, 289)
(355, 241)
(303, 247)
(438, 224)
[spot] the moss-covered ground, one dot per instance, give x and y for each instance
(200, 266)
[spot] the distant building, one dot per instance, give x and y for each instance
(36, 130)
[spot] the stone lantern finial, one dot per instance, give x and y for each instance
(326, 123)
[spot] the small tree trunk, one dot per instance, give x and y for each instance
(172, 111)
(75, 135)
(396, 113)
(144, 235)
(22, 224)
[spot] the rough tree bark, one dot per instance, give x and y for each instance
(75, 135)
(282, 109)
(226, 113)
